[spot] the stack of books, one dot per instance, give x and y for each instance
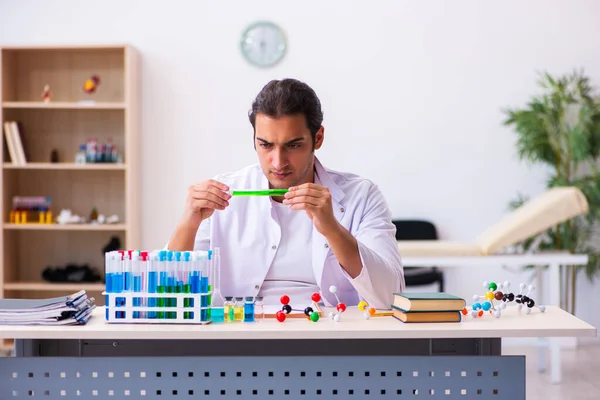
(74, 309)
(427, 307)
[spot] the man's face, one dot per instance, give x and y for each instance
(285, 149)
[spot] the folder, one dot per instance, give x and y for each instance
(74, 309)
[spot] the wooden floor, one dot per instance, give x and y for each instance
(580, 374)
(580, 369)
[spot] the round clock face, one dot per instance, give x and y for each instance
(263, 44)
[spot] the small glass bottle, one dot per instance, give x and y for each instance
(238, 309)
(249, 309)
(228, 309)
(259, 309)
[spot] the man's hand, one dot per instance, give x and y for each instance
(316, 201)
(203, 199)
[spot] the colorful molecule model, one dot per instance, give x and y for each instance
(340, 307)
(311, 315)
(367, 312)
(495, 300)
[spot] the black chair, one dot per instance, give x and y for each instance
(419, 230)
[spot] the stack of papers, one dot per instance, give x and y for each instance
(74, 309)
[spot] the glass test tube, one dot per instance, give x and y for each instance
(170, 282)
(118, 281)
(137, 281)
(108, 278)
(143, 265)
(186, 271)
(217, 312)
(162, 282)
(152, 286)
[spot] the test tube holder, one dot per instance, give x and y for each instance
(179, 311)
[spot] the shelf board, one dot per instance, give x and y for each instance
(67, 166)
(66, 227)
(51, 287)
(65, 105)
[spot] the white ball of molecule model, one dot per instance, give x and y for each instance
(485, 284)
(332, 289)
(336, 317)
(497, 313)
(474, 313)
(331, 315)
(476, 297)
(522, 286)
(367, 315)
(502, 306)
(542, 308)
(527, 310)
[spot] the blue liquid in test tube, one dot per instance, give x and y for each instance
(137, 282)
(152, 282)
(118, 282)
(108, 271)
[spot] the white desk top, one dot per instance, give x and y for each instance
(553, 323)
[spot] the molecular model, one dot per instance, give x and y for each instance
(287, 308)
(340, 308)
(362, 306)
(496, 300)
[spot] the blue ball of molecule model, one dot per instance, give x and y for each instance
(476, 306)
(486, 306)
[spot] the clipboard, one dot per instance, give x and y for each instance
(297, 312)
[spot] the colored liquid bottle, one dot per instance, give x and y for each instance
(228, 309)
(249, 309)
(259, 309)
(238, 309)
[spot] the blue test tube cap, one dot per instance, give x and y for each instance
(210, 254)
(177, 256)
(186, 256)
(162, 255)
(170, 255)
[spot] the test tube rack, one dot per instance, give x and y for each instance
(178, 313)
(160, 286)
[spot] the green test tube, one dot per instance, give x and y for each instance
(269, 192)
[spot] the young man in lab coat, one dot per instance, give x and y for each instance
(331, 228)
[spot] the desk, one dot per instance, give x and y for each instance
(297, 359)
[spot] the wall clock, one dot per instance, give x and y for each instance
(263, 44)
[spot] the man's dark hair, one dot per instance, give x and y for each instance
(279, 98)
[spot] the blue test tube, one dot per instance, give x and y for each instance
(108, 273)
(171, 282)
(186, 272)
(137, 281)
(162, 281)
(152, 286)
(118, 281)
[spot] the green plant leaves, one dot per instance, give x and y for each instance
(561, 128)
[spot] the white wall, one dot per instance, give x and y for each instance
(412, 93)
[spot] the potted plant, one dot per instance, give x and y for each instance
(560, 128)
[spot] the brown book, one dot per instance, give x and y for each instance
(426, 316)
(434, 301)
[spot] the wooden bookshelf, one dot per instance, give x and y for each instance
(110, 114)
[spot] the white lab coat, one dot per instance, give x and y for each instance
(248, 234)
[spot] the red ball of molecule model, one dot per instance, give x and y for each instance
(287, 308)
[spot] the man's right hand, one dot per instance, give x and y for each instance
(203, 199)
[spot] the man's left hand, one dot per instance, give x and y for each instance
(316, 201)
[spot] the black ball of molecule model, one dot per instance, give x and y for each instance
(311, 314)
